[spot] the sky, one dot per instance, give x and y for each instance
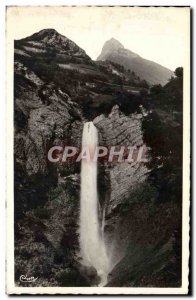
(158, 34)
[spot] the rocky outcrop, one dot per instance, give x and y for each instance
(119, 130)
(46, 233)
(150, 238)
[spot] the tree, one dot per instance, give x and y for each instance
(144, 84)
(179, 72)
(162, 131)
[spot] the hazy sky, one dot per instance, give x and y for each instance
(158, 34)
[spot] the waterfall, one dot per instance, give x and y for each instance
(92, 245)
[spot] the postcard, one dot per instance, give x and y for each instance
(98, 150)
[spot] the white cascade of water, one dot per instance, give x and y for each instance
(92, 245)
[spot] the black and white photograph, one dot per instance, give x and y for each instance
(98, 186)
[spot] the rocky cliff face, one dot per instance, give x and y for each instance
(152, 72)
(118, 129)
(51, 105)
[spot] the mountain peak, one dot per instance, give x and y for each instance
(45, 35)
(40, 41)
(150, 71)
(46, 32)
(110, 46)
(49, 30)
(114, 43)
